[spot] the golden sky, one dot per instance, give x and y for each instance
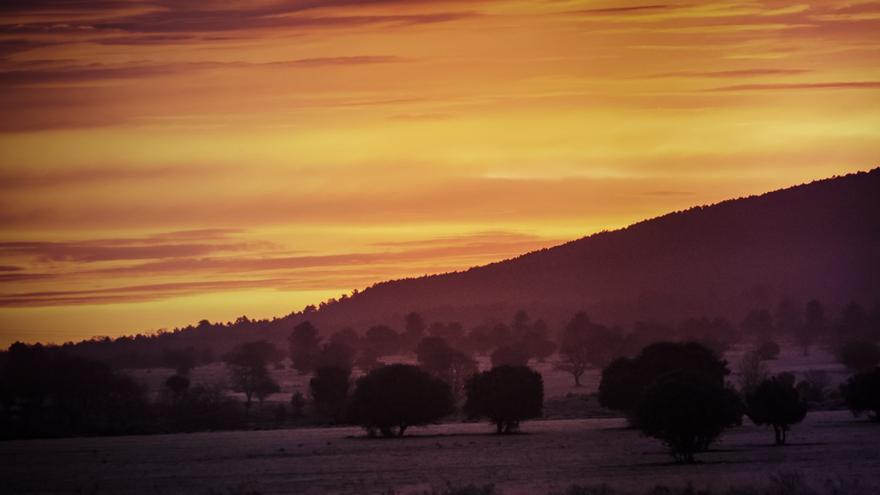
(163, 161)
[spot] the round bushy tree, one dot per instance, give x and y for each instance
(862, 393)
(687, 410)
(392, 398)
(624, 380)
(506, 395)
(776, 402)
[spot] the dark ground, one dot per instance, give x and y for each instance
(550, 455)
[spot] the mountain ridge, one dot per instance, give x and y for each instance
(825, 227)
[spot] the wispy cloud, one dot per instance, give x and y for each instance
(160, 246)
(635, 9)
(57, 74)
(834, 85)
(731, 74)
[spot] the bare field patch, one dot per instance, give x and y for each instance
(549, 456)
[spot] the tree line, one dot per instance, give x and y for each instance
(45, 391)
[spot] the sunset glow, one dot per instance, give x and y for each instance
(163, 162)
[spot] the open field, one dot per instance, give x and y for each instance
(551, 455)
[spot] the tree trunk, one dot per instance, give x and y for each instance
(499, 427)
(401, 430)
(779, 435)
(577, 379)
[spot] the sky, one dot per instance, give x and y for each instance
(162, 161)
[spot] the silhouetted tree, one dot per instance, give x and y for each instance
(775, 402)
(788, 318)
(537, 341)
(853, 323)
(177, 385)
(346, 336)
(716, 334)
(247, 369)
(751, 371)
(329, 389)
(521, 324)
(585, 344)
(814, 325)
(304, 347)
(767, 350)
(858, 355)
(297, 404)
(392, 398)
(452, 332)
(382, 340)
(368, 360)
(862, 393)
(514, 354)
(687, 410)
(648, 332)
(414, 329)
(181, 360)
(336, 354)
(47, 392)
(201, 408)
(624, 380)
(442, 361)
(812, 387)
(480, 339)
(506, 395)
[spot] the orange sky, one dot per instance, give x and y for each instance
(165, 161)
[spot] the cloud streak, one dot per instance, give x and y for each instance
(833, 85)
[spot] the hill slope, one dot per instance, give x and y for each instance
(819, 240)
(816, 240)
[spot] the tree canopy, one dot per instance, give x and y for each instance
(776, 402)
(392, 398)
(506, 395)
(687, 410)
(624, 380)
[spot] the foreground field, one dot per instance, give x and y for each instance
(550, 456)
